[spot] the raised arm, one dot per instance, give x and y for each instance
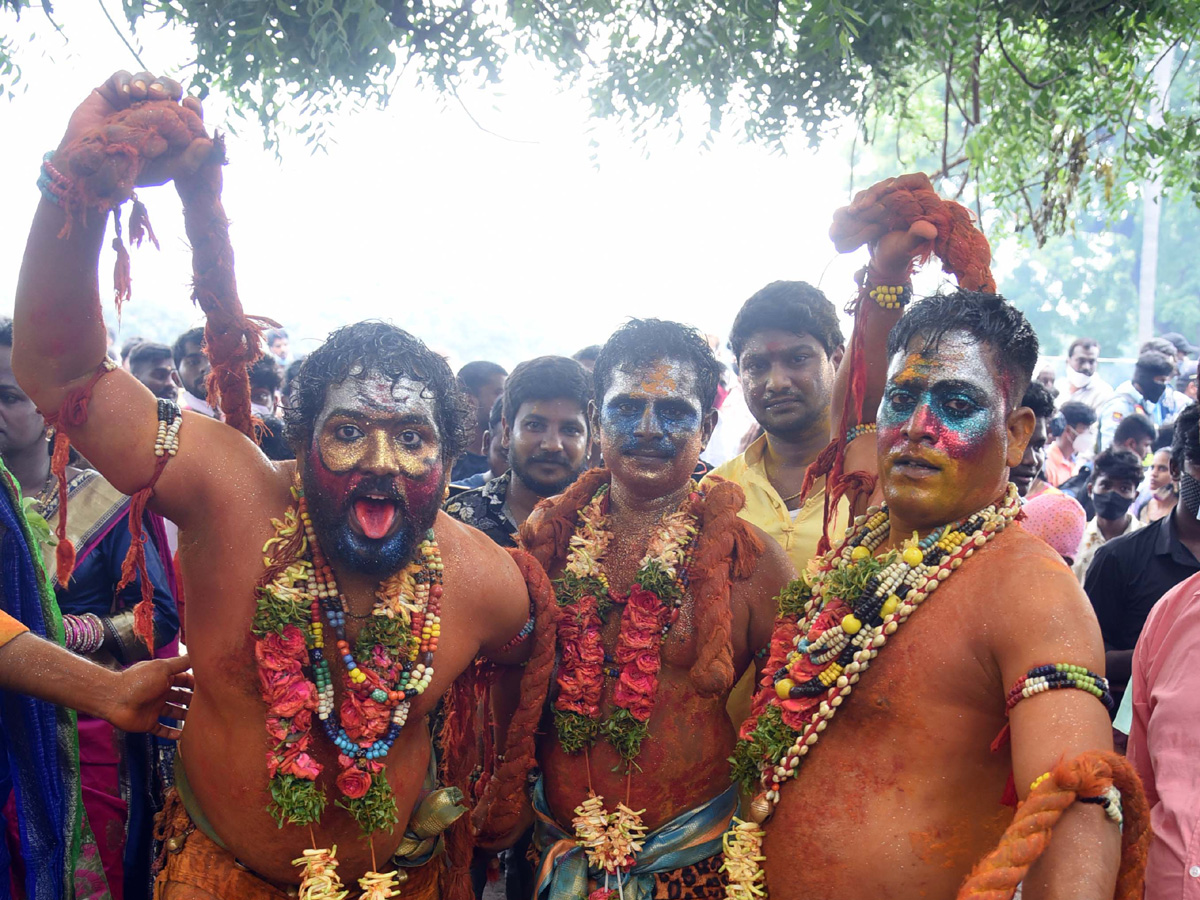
(58, 325)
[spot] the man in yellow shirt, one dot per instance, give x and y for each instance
(788, 345)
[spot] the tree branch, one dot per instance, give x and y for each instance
(1035, 85)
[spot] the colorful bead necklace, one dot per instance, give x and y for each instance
(391, 663)
(612, 840)
(831, 625)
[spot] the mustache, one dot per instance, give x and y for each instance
(552, 458)
(654, 447)
(375, 486)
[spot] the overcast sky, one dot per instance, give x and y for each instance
(484, 247)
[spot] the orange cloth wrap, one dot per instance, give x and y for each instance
(195, 867)
(9, 628)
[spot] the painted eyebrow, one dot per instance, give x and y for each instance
(358, 415)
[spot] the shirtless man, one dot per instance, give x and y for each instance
(376, 427)
(655, 384)
(901, 794)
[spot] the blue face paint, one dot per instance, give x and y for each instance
(955, 413)
(651, 426)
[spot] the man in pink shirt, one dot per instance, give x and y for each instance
(1164, 742)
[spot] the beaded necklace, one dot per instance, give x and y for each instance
(612, 840)
(832, 624)
(391, 663)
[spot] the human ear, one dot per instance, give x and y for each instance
(836, 358)
(505, 434)
(593, 416)
(1020, 425)
(707, 424)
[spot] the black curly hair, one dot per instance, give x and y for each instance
(390, 351)
(642, 341)
(988, 318)
(793, 306)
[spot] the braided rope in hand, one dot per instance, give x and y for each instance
(962, 248)
(965, 254)
(104, 166)
(1090, 774)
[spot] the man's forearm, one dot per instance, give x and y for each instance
(57, 317)
(33, 666)
(1081, 861)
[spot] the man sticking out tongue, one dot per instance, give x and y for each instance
(331, 605)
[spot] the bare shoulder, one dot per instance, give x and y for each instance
(1037, 607)
(488, 581)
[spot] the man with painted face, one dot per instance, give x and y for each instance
(666, 595)
(1130, 574)
(1148, 392)
(1112, 488)
(331, 603)
(902, 794)
(1083, 385)
(544, 428)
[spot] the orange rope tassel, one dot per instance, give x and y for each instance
(1090, 774)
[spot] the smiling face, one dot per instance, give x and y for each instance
(787, 380)
(374, 472)
(652, 428)
(945, 440)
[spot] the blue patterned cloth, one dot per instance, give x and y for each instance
(684, 841)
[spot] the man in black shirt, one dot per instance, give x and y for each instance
(1131, 573)
(545, 433)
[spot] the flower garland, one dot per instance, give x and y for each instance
(381, 675)
(832, 622)
(651, 607)
(612, 840)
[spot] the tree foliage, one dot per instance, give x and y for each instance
(1040, 106)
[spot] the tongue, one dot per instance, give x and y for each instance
(374, 516)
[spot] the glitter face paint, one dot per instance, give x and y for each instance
(374, 475)
(651, 426)
(943, 436)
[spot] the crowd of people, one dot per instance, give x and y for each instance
(614, 624)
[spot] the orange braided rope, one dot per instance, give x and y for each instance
(499, 808)
(104, 166)
(965, 254)
(1090, 774)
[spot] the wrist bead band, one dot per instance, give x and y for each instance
(1033, 787)
(859, 430)
(891, 296)
(52, 183)
(1058, 676)
(83, 634)
(1111, 801)
(169, 419)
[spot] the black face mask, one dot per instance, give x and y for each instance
(1152, 390)
(1189, 494)
(1111, 505)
